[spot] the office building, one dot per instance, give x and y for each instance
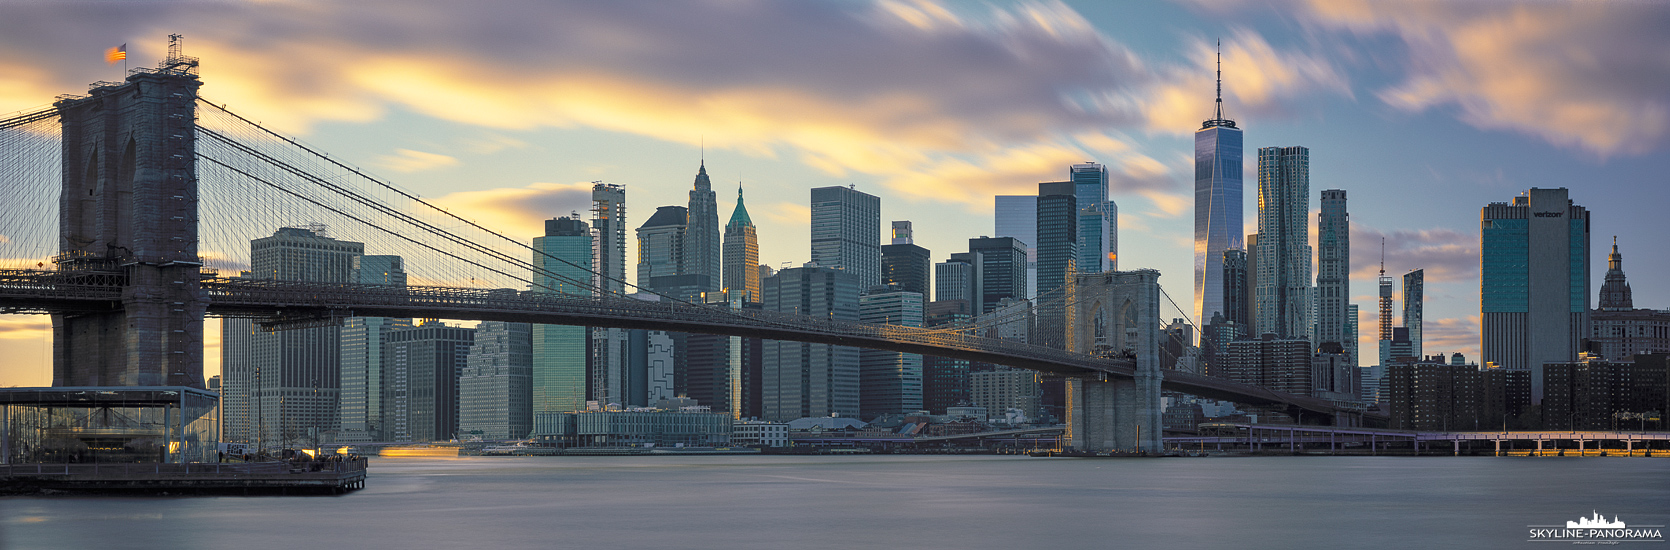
(661, 244)
(1218, 197)
(1414, 291)
(1017, 216)
(1333, 272)
(1098, 229)
(723, 372)
(1533, 281)
(1619, 330)
(846, 232)
(606, 371)
(904, 263)
(1284, 253)
(420, 393)
(1057, 259)
(1002, 269)
(691, 426)
(360, 353)
(701, 237)
(742, 253)
(562, 265)
(1003, 388)
(283, 388)
(945, 380)
(800, 379)
(958, 279)
(495, 391)
(890, 382)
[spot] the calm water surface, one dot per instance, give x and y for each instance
(884, 502)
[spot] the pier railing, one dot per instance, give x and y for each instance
(186, 469)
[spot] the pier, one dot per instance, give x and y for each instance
(255, 478)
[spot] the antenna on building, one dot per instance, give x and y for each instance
(1382, 256)
(1220, 111)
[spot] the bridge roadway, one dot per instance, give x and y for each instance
(44, 291)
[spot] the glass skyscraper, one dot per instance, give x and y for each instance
(563, 265)
(1217, 206)
(1017, 216)
(1533, 281)
(1098, 219)
(1333, 271)
(1283, 289)
(1414, 298)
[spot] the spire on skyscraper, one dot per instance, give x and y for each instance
(1615, 293)
(1218, 112)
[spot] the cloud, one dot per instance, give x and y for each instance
(25, 327)
(1451, 335)
(519, 210)
(1446, 255)
(1589, 75)
(792, 213)
(407, 161)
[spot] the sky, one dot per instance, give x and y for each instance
(506, 111)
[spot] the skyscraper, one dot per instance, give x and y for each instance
(283, 388)
(945, 380)
(1619, 331)
(1057, 234)
(1284, 253)
(1385, 333)
(723, 372)
(889, 382)
(1333, 270)
(1217, 204)
(1017, 216)
(495, 391)
(846, 232)
(610, 348)
(1414, 291)
(904, 263)
(959, 279)
(742, 253)
(1533, 281)
(360, 348)
(1098, 219)
(424, 364)
(661, 246)
(701, 240)
(1002, 269)
(801, 379)
(562, 262)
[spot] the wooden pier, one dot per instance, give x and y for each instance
(255, 478)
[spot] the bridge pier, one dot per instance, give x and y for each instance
(1118, 313)
(128, 205)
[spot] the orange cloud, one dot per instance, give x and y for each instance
(519, 211)
(407, 161)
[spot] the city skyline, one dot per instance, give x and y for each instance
(494, 154)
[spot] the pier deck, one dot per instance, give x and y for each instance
(258, 478)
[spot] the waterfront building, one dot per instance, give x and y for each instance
(890, 382)
(759, 433)
(421, 393)
(1593, 393)
(1002, 269)
(1414, 298)
(1432, 395)
(1098, 219)
(846, 232)
(904, 263)
(562, 264)
(495, 390)
(1333, 272)
(1533, 281)
(1017, 216)
(360, 353)
(688, 426)
(742, 253)
(1284, 253)
(802, 379)
(1218, 196)
(283, 388)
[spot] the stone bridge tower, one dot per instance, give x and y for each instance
(129, 206)
(1117, 314)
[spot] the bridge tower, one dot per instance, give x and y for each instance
(129, 205)
(1116, 314)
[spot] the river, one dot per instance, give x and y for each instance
(953, 502)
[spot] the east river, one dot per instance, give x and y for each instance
(962, 502)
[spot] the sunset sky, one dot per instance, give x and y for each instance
(505, 111)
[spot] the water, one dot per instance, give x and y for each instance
(883, 502)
